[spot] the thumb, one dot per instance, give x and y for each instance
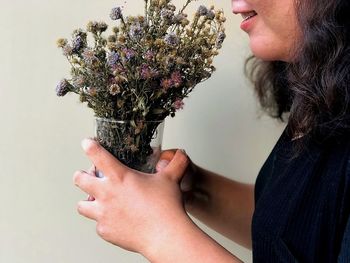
(161, 165)
(177, 166)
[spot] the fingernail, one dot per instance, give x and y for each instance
(86, 143)
(162, 164)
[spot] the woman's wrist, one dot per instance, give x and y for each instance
(186, 243)
(168, 239)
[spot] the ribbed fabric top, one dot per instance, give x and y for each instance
(302, 205)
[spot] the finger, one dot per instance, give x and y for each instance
(167, 154)
(89, 184)
(92, 170)
(103, 160)
(88, 209)
(164, 159)
(177, 166)
(161, 165)
(186, 183)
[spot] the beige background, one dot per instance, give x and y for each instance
(40, 134)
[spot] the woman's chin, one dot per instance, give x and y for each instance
(267, 51)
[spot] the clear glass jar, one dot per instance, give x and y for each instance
(137, 144)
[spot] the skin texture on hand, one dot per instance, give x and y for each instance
(222, 204)
(143, 212)
(132, 209)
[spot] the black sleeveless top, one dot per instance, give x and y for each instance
(302, 205)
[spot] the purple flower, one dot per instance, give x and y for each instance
(176, 79)
(146, 72)
(77, 43)
(202, 10)
(136, 31)
(113, 59)
(167, 14)
(220, 39)
(177, 19)
(129, 53)
(89, 56)
(149, 55)
(178, 104)
(171, 39)
(62, 88)
(210, 15)
(116, 13)
(67, 50)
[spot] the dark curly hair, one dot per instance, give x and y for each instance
(313, 91)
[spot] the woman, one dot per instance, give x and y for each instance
(299, 209)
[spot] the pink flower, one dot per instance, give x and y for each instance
(166, 83)
(149, 55)
(178, 104)
(146, 72)
(176, 78)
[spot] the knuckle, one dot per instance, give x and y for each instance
(168, 154)
(77, 177)
(101, 230)
(183, 159)
(80, 208)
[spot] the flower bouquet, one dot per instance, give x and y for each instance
(140, 74)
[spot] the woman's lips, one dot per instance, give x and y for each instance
(248, 15)
(248, 19)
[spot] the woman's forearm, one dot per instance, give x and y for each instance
(186, 243)
(224, 205)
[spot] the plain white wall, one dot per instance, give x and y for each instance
(40, 134)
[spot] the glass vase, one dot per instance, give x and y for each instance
(137, 144)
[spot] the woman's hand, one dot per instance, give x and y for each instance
(190, 180)
(133, 210)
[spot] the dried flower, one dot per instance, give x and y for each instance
(78, 81)
(67, 50)
(146, 72)
(149, 55)
(148, 64)
(143, 70)
(167, 14)
(91, 91)
(102, 27)
(113, 59)
(62, 88)
(171, 39)
(176, 79)
(178, 104)
(136, 31)
(116, 13)
(62, 42)
(114, 89)
(179, 18)
(220, 39)
(129, 53)
(210, 15)
(89, 56)
(166, 84)
(202, 10)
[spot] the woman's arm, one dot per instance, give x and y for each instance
(224, 205)
(188, 244)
